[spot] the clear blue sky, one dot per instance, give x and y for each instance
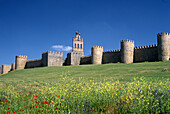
(30, 27)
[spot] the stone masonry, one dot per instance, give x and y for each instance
(127, 54)
(74, 57)
(163, 46)
(13, 66)
(20, 62)
(6, 68)
(52, 58)
(97, 53)
(127, 51)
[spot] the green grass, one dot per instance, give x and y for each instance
(122, 72)
(108, 82)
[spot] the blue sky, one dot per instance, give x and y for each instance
(30, 27)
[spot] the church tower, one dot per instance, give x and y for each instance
(77, 43)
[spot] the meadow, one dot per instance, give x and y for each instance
(141, 88)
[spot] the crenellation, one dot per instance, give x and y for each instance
(21, 56)
(163, 41)
(20, 62)
(97, 53)
(126, 54)
(127, 40)
(127, 51)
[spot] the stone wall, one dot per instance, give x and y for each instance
(146, 53)
(20, 62)
(6, 68)
(163, 46)
(55, 59)
(13, 66)
(97, 54)
(67, 60)
(52, 58)
(0, 70)
(45, 58)
(34, 63)
(111, 56)
(85, 60)
(127, 51)
(75, 57)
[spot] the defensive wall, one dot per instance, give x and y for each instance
(146, 53)
(13, 66)
(73, 58)
(48, 59)
(97, 53)
(127, 53)
(33, 63)
(85, 60)
(6, 68)
(112, 56)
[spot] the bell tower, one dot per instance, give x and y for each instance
(77, 43)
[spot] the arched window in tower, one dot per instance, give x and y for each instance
(78, 46)
(74, 45)
(81, 46)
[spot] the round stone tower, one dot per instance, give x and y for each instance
(163, 41)
(20, 62)
(127, 51)
(97, 53)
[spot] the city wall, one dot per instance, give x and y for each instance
(85, 60)
(111, 56)
(33, 63)
(13, 66)
(146, 53)
(55, 58)
(74, 57)
(6, 68)
(127, 54)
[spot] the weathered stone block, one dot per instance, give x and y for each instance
(20, 62)
(6, 68)
(97, 54)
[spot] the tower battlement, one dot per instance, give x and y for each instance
(161, 34)
(163, 41)
(127, 41)
(21, 56)
(20, 62)
(97, 53)
(97, 47)
(127, 51)
(54, 52)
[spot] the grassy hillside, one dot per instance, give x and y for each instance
(123, 72)
(95, 88)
